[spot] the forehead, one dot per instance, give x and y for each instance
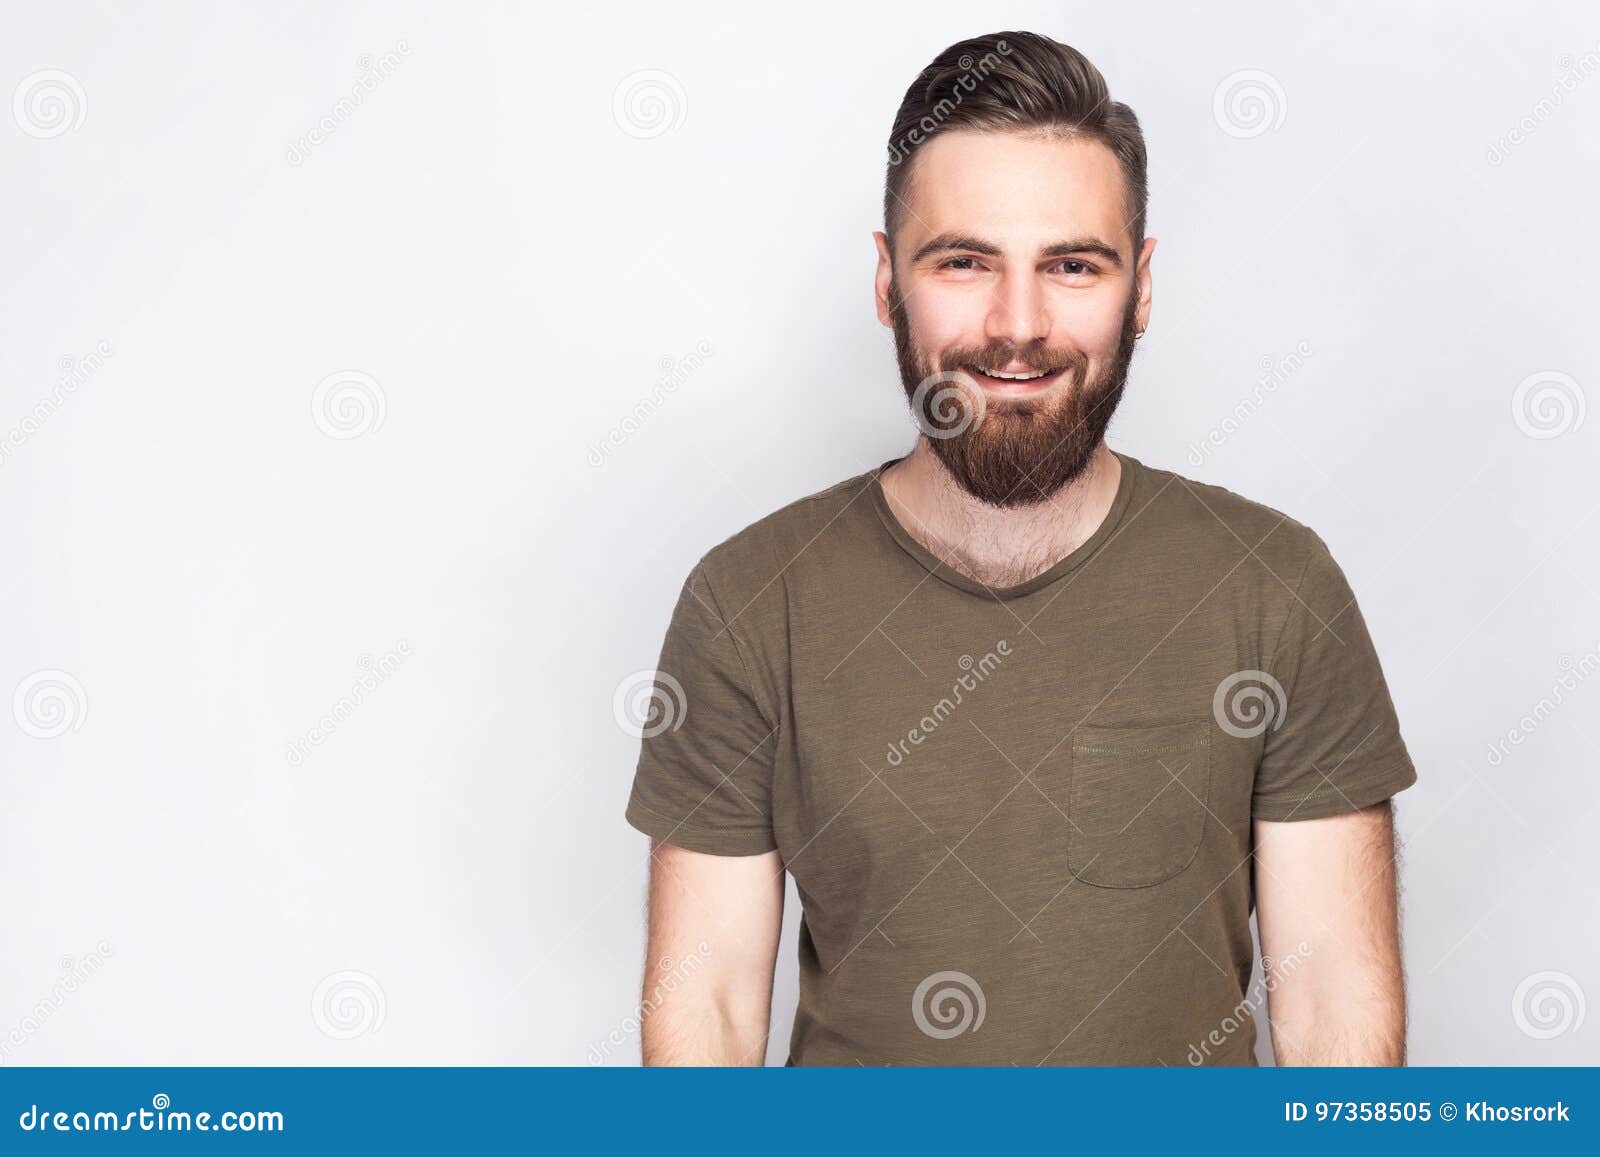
(1019, 190)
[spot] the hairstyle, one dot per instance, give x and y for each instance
(1015, 82)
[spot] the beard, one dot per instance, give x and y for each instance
(1011, 452)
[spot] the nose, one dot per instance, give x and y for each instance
(1018, 315)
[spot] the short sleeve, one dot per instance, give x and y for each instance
(1336, 745)
(704, 776)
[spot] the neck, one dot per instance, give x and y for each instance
(998, 547)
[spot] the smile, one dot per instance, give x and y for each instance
(1028, 377)
(1026, 381)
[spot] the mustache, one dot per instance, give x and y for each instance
(1038, 359)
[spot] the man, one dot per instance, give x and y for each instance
(1034, 726)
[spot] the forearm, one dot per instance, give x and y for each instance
(712, 944)
(1328, 909)
(1352, 1017)
(690, 1029)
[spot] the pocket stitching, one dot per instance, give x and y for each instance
(1204, 797)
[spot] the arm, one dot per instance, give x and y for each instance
(725, 913)
(1328, 912)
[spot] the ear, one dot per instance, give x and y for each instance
(882, 278)
(1141, 273)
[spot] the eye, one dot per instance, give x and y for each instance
(960, 264)
(1072, 267)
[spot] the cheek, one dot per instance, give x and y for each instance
(941, 319)
(1096, 334)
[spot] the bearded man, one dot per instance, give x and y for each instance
(1035, 727)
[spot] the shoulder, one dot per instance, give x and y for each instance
(792, 538)
(1193, 516)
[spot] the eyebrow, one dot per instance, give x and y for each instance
(946, 242)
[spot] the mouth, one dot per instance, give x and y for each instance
(1018, 382)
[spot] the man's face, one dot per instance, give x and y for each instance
(1015, 296)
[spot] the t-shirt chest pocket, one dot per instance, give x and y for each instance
(1137, 802)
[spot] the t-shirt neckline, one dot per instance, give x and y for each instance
(1062, 567)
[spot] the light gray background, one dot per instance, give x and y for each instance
(197, 569)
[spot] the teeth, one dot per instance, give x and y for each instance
(1015, 377)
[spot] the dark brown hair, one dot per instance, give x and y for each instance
(1015, 82)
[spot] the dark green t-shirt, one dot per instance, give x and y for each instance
(1019, 819)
